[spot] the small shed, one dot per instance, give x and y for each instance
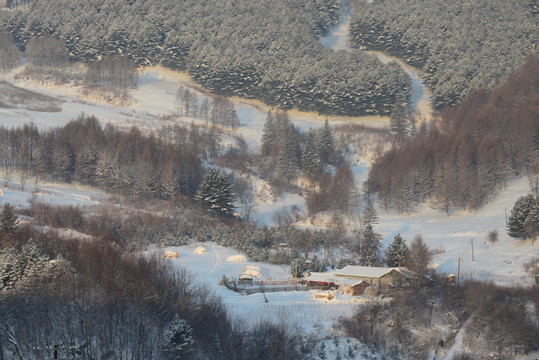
(320, 281)
(451, 279)
(354, 289)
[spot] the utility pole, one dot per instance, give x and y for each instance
(473, 257)
(458, 272)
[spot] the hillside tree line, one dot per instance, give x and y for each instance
(125, 162)
(471, 152)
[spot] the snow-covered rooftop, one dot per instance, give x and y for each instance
(364, 271)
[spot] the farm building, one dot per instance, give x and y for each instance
(357, 278)
(379, 276)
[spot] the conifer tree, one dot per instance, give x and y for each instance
(371, 240)
(8, 220)
(519, 213)
(397, 121)
(179, 338)
(10, 270)
(215, 193)
(310, 160)
(287, 163)
(371, 246)
(269, 134)
(327, 144)
(396, 252)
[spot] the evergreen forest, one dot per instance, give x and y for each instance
(268, 50)
(460, 45)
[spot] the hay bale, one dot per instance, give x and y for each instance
(170, 255)
(328, 296)
(236, 258)
(250, 271)
(200, 250)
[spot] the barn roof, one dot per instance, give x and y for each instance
(366, 271)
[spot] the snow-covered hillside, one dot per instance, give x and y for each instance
(451, 236)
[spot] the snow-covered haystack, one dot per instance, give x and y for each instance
(236, 258)
(324, 296)
(252, 271)
(200, 250)
(170, 255)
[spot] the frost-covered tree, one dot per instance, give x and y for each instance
(371, 241)
(9, 220)
(310, 159)
(398, 122)
(531, 224)
(179, 338)
(519, 213)
(8, 52)
(270, 135)
(326, 144)
(342, 188)
(287, 162)
(396, 252)
(215, 193)
(418, 259)
(10, 271)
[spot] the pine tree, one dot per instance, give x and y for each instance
(327, 145)
(10, 269)
(370, 215)
(215, 193)
(269, 134)
(322, 353)
(371, 240)
(310, 159)
(396, 252)
(397, 121)
(520, 211)
(179, 338)
(9, 220)
(287, 163)
(531, 224)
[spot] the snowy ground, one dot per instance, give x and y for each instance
(297, 309)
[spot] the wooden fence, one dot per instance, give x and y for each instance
(253, 287)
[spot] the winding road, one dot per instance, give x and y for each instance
(336, 39)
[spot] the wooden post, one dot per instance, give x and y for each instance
(458, 272)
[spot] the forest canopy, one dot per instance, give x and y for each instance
(264, 49)
(459, 44)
